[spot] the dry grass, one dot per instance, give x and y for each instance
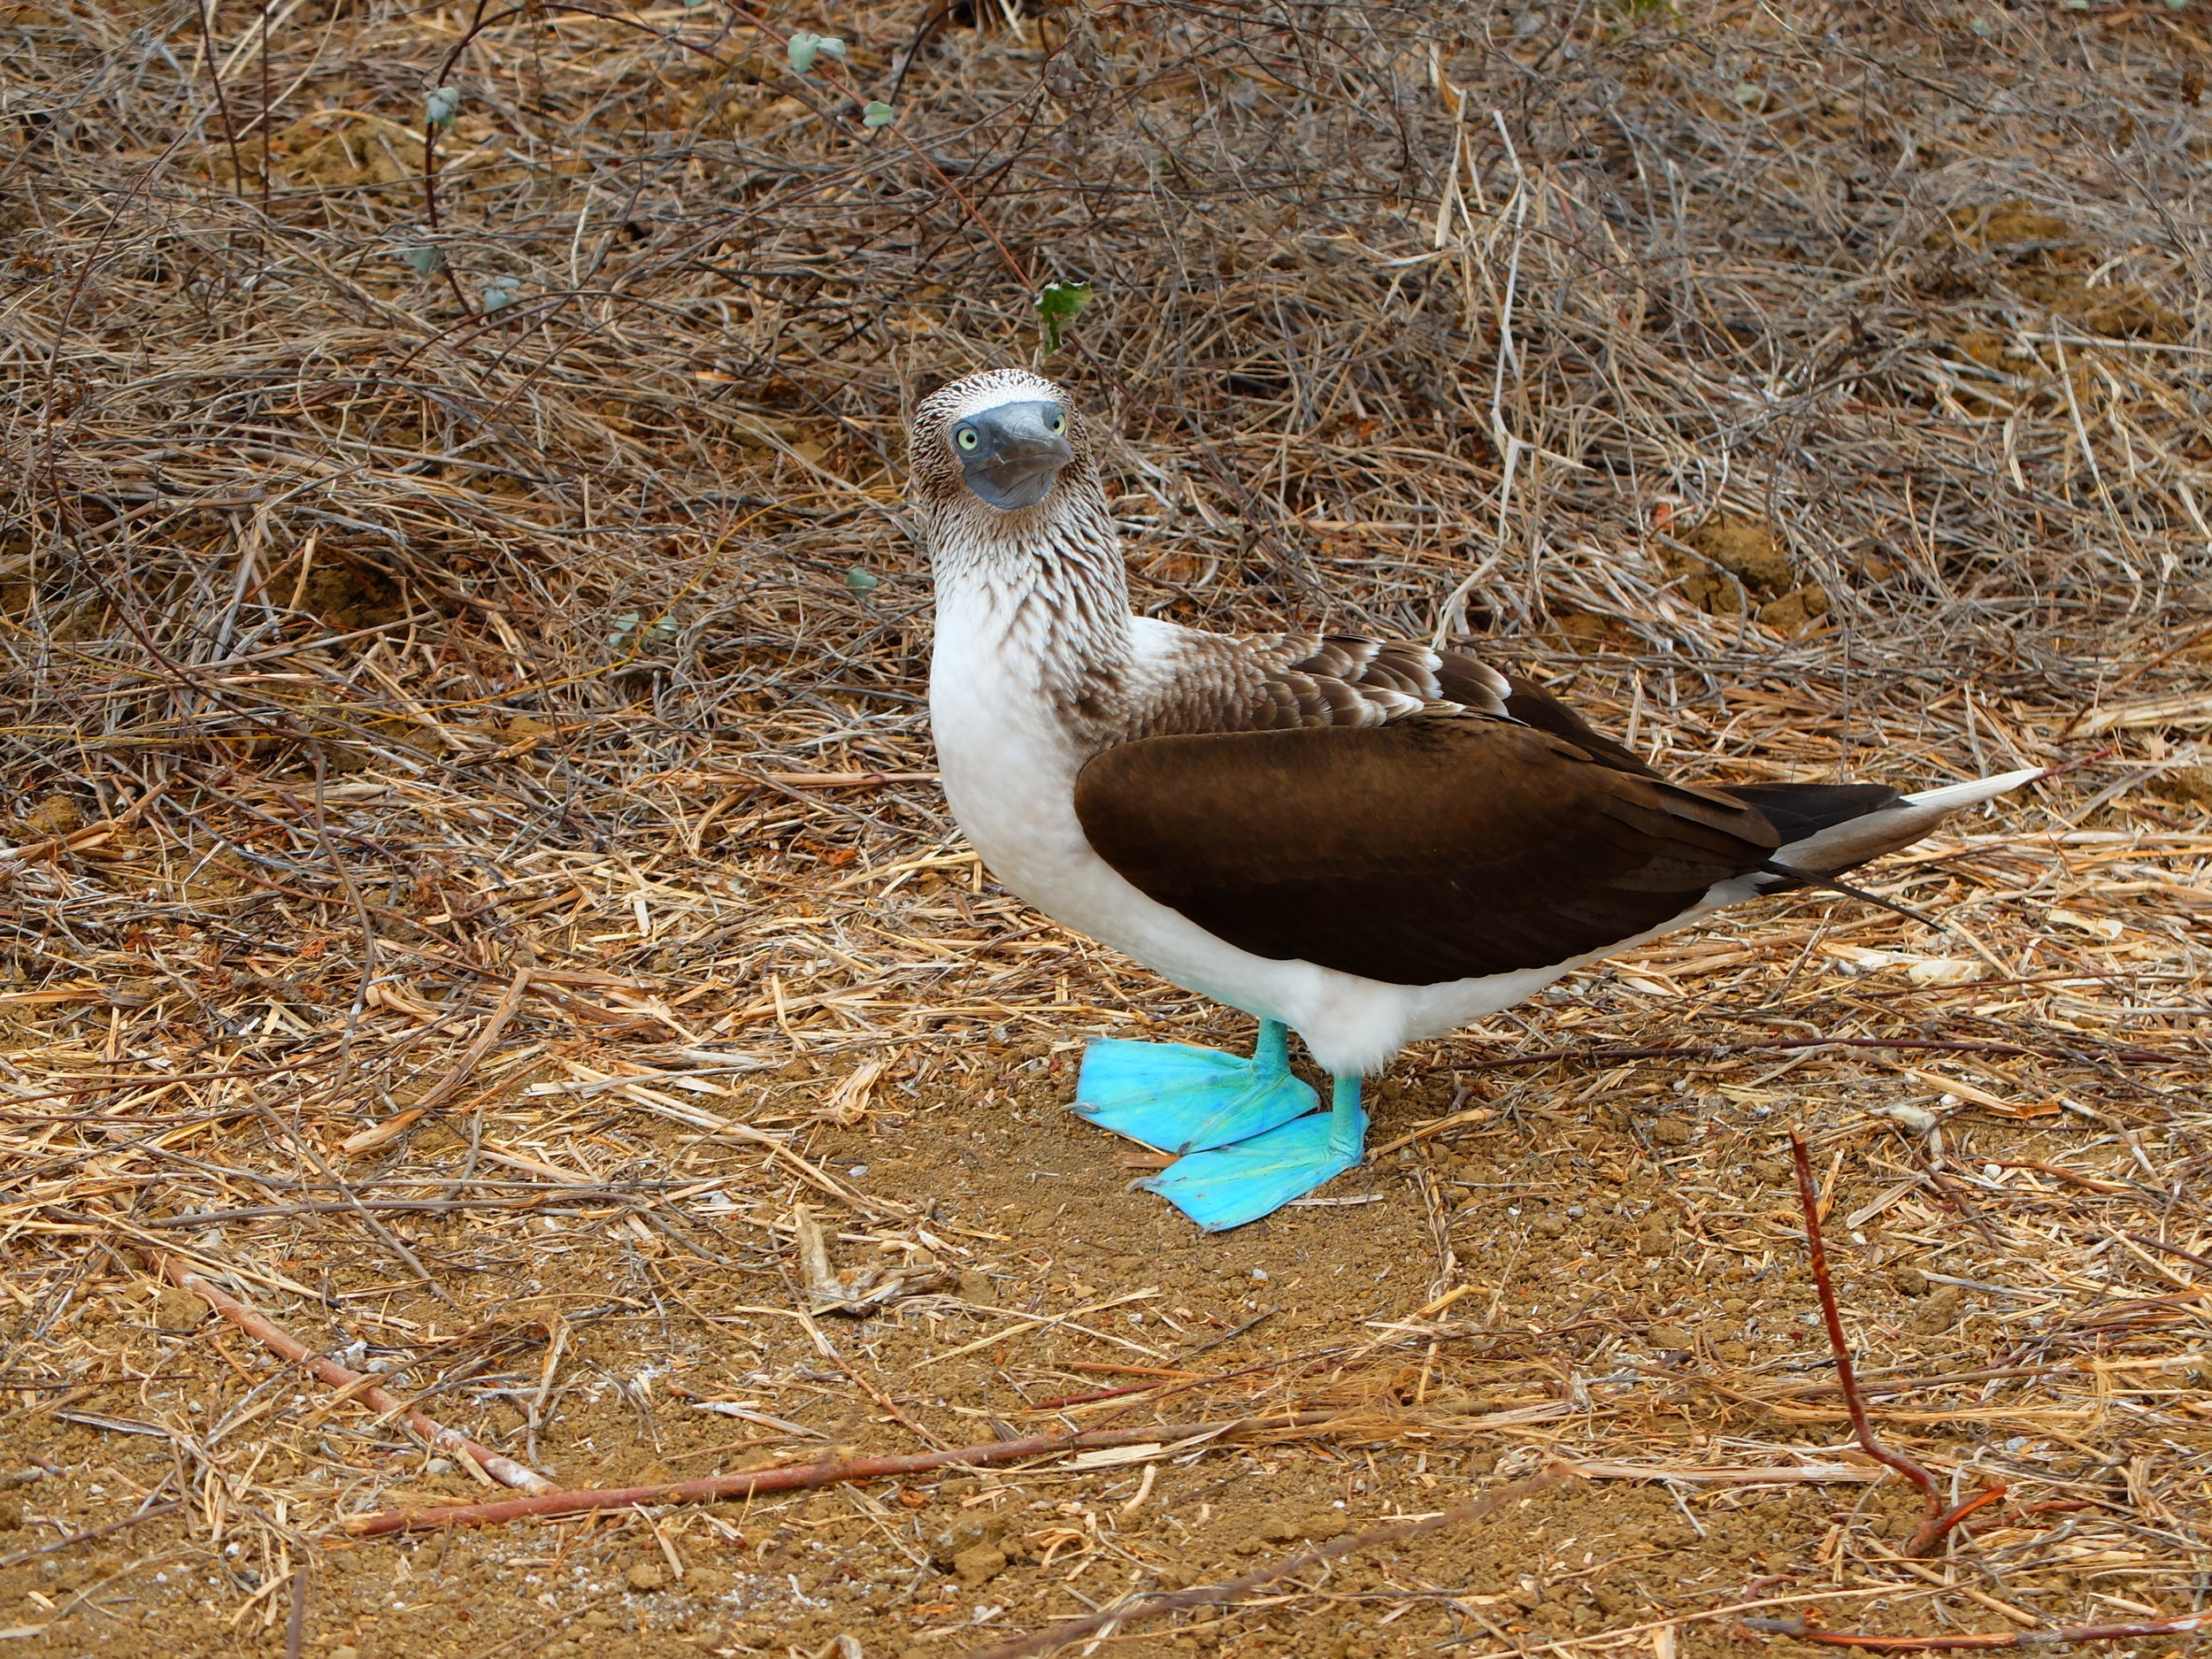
(475, 829)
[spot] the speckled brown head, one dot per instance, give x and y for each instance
(1003, 452)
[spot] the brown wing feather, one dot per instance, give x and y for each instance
(1434, 848)
(1530, 703)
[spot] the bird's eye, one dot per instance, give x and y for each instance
(1059, 423)
(966, 438)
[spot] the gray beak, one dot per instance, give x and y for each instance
(1011, 455)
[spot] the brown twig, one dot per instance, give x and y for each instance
(295, 1622)
(1213, 1595)
(800, 1477)
(1949, 1190)
(494, 1023)
(2148, 1243)
(1930, 1534)
(500, 1467)
(91, 1532)
(1797, 1626)
(1785, 1045)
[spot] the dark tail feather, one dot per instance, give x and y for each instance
(1800, 809)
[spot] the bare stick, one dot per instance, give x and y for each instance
(154, 1514)
(800, 1476)
(500, 1467)
(1797, 1628)
(1929, 1537)
(450, 1085)
(1846, 1378)
(296, 1626)
(1212, 1594)
(1784, 1044)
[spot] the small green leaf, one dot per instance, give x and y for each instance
(498, 292)
(423, 260)
(1748, 94)
(1057, 305)
(633, 634)
(443, 106)
(860, 581)
(877, 114)
(804, 46)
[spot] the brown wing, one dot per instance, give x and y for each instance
(1530, 703)
(1434, 848)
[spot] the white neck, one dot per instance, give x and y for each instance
(1042, 594)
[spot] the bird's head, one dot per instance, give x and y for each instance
(996, 445)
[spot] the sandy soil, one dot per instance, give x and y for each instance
(1633, 1285)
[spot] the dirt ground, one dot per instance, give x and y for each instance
(1616, 1251)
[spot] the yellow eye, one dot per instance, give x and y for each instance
(966, 438)
(1059, 423)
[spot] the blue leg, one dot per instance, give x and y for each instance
(1182, 1099)
(1232, 1184)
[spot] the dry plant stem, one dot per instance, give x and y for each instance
(2170, 1249)
(90, 1534)
(1212, 1594)
(800, 1477)
(1798, 1628)
(390, 1239)
(1787, 1045)
(510, 1000)
(295, 1625)
(500, 1467)
(1928, 1538)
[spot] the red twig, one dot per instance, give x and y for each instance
(500, 1467)
(222, 104)
(1784, 1044)
(1212, 1594)
(714, 1488)
(1798, 1628)
(1930, 1535)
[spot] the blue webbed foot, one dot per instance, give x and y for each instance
(1185, 1099)
(1232, 1184)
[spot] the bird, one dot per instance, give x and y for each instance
(1366, 841)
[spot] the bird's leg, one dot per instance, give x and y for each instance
(1185, 1099)
(1348, 1120)
(1232, 1184)
(1270, 1049)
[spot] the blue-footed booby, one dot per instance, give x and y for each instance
(1365, 842)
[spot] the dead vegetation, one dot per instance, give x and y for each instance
(477, 888)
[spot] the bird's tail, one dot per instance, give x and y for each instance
(1828, 828)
